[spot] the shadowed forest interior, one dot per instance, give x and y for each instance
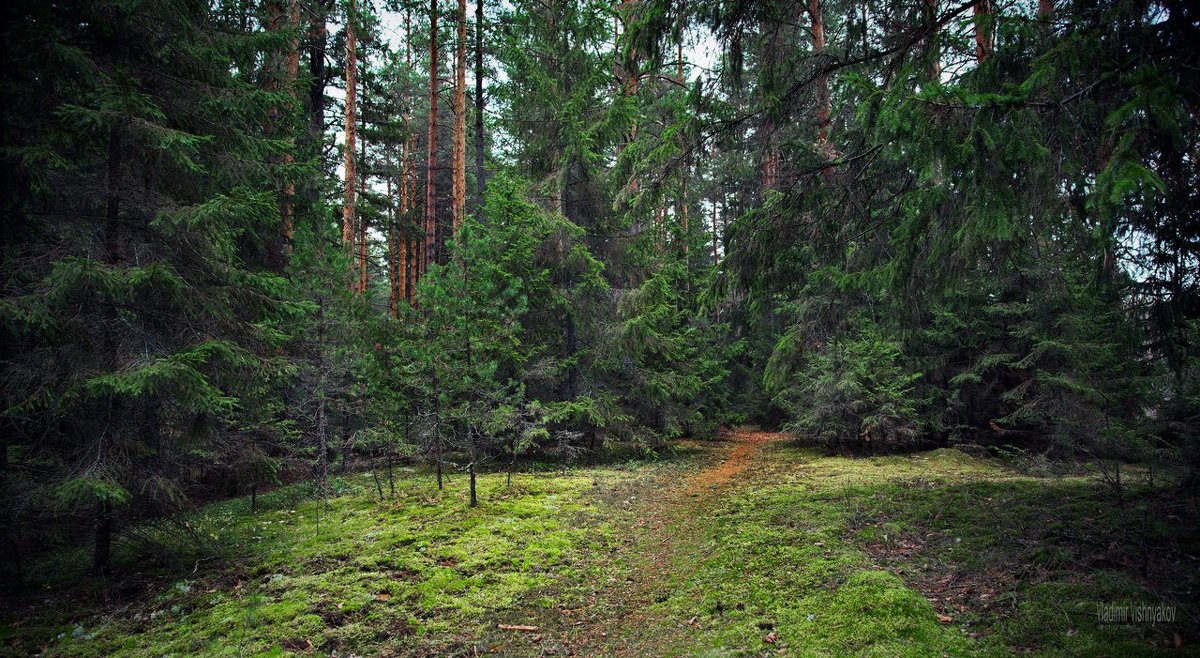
(600, 327)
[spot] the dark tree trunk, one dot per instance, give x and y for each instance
(438, 460)
(512, 460)
(345, 448)
(102, 549)
(152, 434)
(471, 469)
(317, 39)
(570, 385)
(932, 44)
(322, 418)
(113, 195)
(391, 478)
(10, 554)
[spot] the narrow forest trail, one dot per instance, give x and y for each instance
(667, 530)
(746, 443)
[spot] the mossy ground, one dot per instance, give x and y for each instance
(413, 574)
(937, 553)
(727, 549)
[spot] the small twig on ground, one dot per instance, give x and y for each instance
(517, 627)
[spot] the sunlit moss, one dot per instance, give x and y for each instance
(802, 554)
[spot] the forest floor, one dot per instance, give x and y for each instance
(747, 545)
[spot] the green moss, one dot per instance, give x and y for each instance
(412, 571)
(877, 614)
(771, 563)
(803, 555)
(827, 556)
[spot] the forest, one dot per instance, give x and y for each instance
(600, 327)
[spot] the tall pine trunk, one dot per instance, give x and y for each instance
(348, 223)
(683, 170)
(291, 71)
(112, 210)
(459, 193)
(10, 551)
(628, 72)
(272, 73)
(393, 237)
(480, 182)
(932, 42)
(361, 221)
(770, 167)
(1045, 20)
(407, 193)
(933, 69)
(431, 156)
(318, 37)
(824, 106)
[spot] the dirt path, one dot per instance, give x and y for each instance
(666, 526)
(746, 444)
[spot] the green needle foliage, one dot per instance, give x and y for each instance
(881, 225)
(142, 325)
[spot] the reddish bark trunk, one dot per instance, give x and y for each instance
(824, 105)
(459, 194)
(479, 147)
(929, 8)
(348, 215)
(290, 73)
(431, 158)
(982, 10)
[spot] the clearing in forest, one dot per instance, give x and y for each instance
(747, 545)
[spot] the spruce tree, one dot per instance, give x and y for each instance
(141, 320)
